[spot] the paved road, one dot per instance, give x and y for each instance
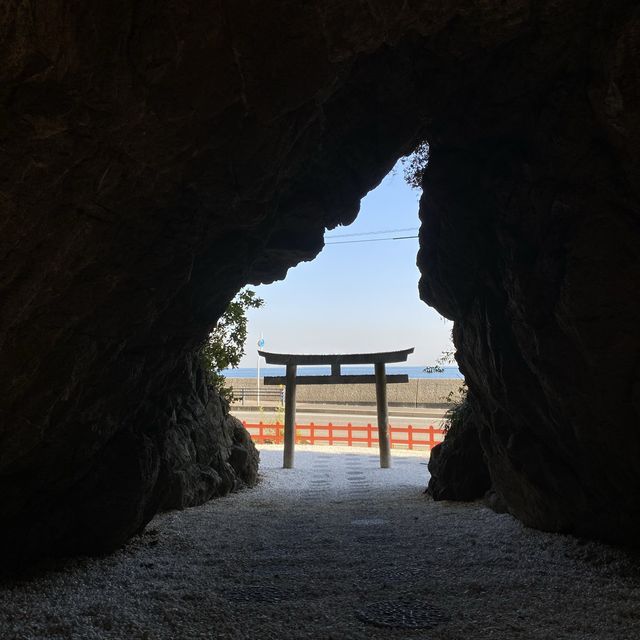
(396, 418)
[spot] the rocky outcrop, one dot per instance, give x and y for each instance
(155, 157)
(457, 466)
(181, 449)
(530, 243)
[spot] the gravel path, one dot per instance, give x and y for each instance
(336, 548)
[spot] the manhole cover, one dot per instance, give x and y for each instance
(402, 614)
(257, 593)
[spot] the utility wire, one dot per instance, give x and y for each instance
(371, 240)
(371, 233)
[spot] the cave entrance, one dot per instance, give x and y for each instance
(358, 294)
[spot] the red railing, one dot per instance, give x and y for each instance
(408, 437)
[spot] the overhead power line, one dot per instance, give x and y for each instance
(372, 240)
(371, 233)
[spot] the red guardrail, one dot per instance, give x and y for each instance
(408, 437)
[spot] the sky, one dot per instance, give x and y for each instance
(355, 297)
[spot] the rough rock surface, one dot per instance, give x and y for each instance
(457, 466)
(530, 243)
(155, 157)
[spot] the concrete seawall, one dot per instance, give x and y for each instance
(418, 392)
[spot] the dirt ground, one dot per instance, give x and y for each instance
(334, 549)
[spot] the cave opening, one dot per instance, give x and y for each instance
(359, 295)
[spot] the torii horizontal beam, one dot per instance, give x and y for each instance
(394, 378)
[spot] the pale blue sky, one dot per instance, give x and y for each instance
(355, 297)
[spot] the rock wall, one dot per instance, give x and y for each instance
(178, 448)
(156, 156)
(457, 466)
(530, 243)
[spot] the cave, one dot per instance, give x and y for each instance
(156, 157)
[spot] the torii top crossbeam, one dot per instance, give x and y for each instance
(336, 358)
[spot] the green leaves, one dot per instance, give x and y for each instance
(225, 345)
(414, 165)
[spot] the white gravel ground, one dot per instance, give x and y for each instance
(318, 552)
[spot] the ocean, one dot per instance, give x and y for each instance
(412, 372)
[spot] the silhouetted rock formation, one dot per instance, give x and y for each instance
(155, 157)
(530, 241)
(457, 465)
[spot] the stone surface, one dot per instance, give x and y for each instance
(457, 465)
(530, 243)
(155, 157)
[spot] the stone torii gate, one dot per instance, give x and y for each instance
(292, 361)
